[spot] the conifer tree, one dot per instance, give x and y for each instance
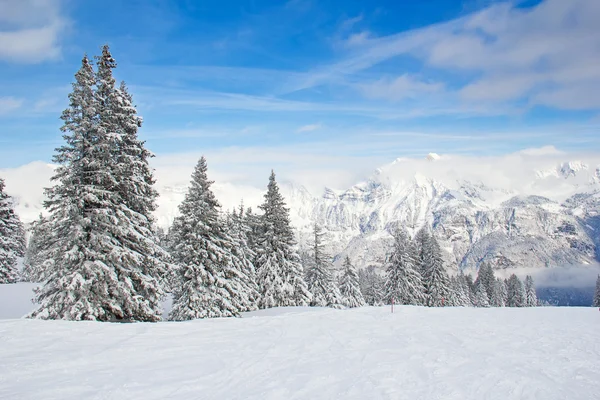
(435, 277)
(279, 272)
(350, 287)
(531, 296)
(460, 294)
(319, 279)
(516, 292)
(596, 302)
(371, 286)
(239, 230)
(105, 262)
(12, 238)
(481, 298)
(403, 283)
(485, 277)
(214, 282)
(498, 294)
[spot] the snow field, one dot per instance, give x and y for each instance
(303, 353)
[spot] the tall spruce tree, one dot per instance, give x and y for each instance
(214, 281)
(12, 238)
(319, 278)
(596, 301)
(106, 264)
(531, 296)
(350, 287)
(516, 292)
(403, 283)
(279, 272)
(435, 277)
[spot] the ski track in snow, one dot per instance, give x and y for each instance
(302, 353)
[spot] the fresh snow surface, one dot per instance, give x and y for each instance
(302, 353)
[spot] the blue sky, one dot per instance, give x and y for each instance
(376, 80)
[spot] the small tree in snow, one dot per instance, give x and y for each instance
(531, 296)
(349, 286)
(12, 238)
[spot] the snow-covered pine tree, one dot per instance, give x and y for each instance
(371, 286)
(319, 279)
(459, 293)
(466, 293)
(485, 277)
(239, 230)
(213, 280)
(498, 294)
(12, 238)
(33, 270)
(104, 263)
(516, 292)
(349, 286)
(596, 301)
(530, 295)
(481, 298)
(404, 284)
(435, 277)
(134, 178)
(278, 269)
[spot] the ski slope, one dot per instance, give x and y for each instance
(300, 353)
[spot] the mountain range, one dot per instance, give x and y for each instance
(531, 209)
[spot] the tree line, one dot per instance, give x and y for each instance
(99, 255)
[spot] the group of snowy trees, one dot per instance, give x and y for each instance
(99, 255)
(415, 274)
(240, 261)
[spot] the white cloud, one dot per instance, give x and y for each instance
(404, 86)
(309, 128)
(547, 54)
(9, 104)
(30, 30)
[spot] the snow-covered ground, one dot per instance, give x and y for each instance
(300, 353)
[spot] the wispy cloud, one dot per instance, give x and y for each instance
(546, 54)
(9, 104)
(309, 128)
(30, 30)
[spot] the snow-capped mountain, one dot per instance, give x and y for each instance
(522, 216)
(528, 209)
